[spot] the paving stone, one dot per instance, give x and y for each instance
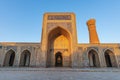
(59, 74)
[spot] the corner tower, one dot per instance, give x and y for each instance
(59, 39)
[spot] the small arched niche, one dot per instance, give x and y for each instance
(93, 58)
(110, 59)
(25, 58)
(9, 58)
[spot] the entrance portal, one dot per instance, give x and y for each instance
(58, 41)
(58, 60)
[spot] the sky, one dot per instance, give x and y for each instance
(21, 20)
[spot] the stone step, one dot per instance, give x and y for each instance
(61, 69)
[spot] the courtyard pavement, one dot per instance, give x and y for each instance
(59, 74)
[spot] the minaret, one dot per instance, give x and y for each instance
(93, 37)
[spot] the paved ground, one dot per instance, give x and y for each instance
(59, 74)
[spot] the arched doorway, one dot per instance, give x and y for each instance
(9, 58)
(25, 58)
(110, 59)
(58, 59)
(93, 58)
(58, 41)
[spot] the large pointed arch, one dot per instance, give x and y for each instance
(25, 58)
(93, 58)
(59, 30)
(9, 58)
(110, 58)
(59, 39)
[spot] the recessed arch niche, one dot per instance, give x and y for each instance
(9, 58)
(110, 58)
(25, 58)
(59, 41)
(93, 58)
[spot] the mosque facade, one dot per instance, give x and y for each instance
(59, 47)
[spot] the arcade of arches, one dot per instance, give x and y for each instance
(10, 58)
(60, 57)
(109, 57)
